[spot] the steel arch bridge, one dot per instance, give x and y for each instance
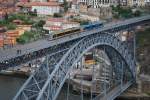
(47, 81)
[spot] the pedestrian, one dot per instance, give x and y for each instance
(17, 51)
(20, 51)
(29, 64)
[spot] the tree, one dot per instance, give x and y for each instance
(65, 6)
(35, 12)
(41, 23)
(84, 22)
(26, 37)
(122, 12)
(11, 26)
(57, 15)
(6, 16)
(137, 13)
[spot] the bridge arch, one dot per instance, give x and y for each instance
(58, 76)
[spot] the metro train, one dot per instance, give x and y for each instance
(73, 30)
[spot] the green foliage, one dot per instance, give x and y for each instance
(17, 16)
(28, 22)
(116, 16)
(57, 15)
(137, 13)
(65, 6)
(33, 13)
(39, 24)
(124, 12)
(3, 22)
(143, 37)
(11, 26)
(84, 22)
(148, 93)
(26, 37)
(8, 21)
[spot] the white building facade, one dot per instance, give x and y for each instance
(45, 8)
(96, 3)
(147, 2)
(67, 25)
(139, 3)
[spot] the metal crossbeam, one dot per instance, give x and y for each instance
(56, 79)
(10, 55)
(47, 81)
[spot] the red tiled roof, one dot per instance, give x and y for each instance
(54, 27)
(56, 19)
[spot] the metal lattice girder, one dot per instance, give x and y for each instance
(37, 51)
(57, 78)
(34, 84)
(46, 82)
(27, 58)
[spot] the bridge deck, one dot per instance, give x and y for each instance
(41, 44)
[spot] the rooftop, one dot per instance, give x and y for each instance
(53, 27)
(56, 19)
(29, 4)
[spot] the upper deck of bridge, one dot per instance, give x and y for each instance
(6, 54)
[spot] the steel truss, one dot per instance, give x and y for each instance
(48, 80)
(37, 54)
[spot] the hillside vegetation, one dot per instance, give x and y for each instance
(143, 50)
